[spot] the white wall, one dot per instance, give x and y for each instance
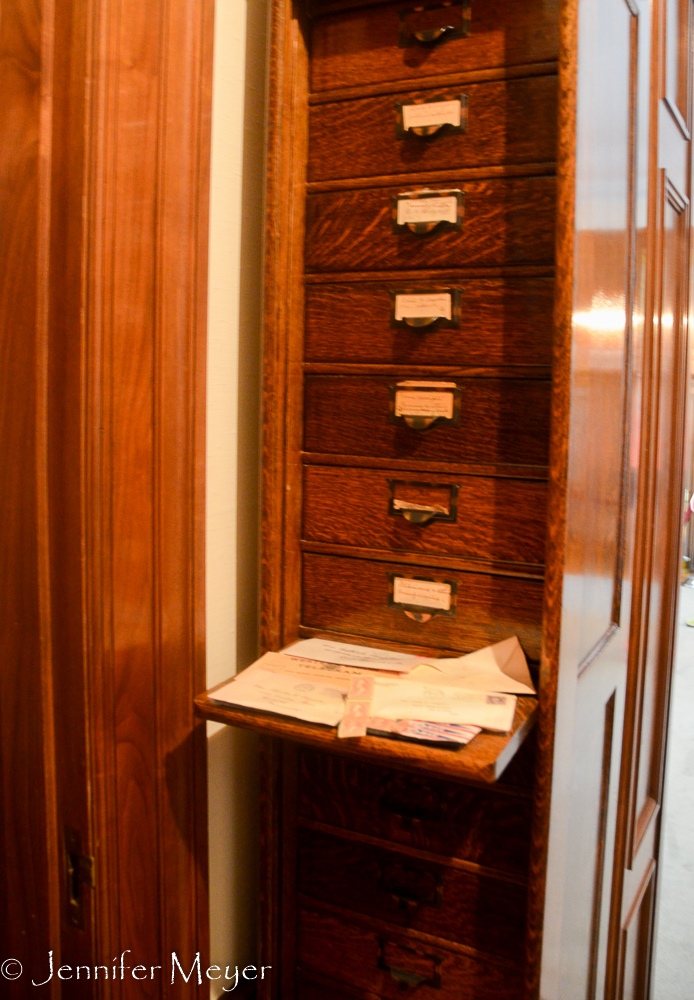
(233, 417)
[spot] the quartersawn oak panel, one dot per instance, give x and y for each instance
(497, 519)
(506, 221)
(356, 47)
(502, 321)
(458, 821)
(357, 954)
(476, 910)
(351, 596)
(508, 122)
(501, 420)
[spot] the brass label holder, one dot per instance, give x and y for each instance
(422, 612)
(428, 296)
(421, 212)
(430, 129)
(426, 411)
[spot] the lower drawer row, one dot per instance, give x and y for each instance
(484, 827)
(474, 908)
(441, 608)
(385, 964)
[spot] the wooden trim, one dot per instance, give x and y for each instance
(600, 844)
(438, 82)
(556, 511)
(29, 846)
(270, 863)
(144, 260)
(433, 177)
(45, 166)
(275, 322)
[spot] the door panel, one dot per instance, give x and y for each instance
(630, 255)
(611, 814)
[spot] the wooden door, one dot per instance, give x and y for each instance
(103, 236)
(658, 536)
(614, 575)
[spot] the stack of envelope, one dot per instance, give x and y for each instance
(310, 680)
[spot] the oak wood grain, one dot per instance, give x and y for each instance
(496, 519)
(351, 596)
(485, 829)
(508, 471)
(325, 939)
(438, 80)
(508, 122)
(502, 321)
(506, 221)
(359, 46)
(503, 420)
(481, 912)
(480, 762)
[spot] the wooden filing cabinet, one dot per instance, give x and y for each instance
(517, 498)
(392, 881)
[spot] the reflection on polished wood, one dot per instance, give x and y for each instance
(482, 761)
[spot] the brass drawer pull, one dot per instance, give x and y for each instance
(420, 25)
(410, 887)
(410, 802)
(409, 978)
(423, 514)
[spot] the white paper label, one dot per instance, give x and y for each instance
(422, 593)
(423, 306)
(443, 209)
(415, 403)
(436, 113)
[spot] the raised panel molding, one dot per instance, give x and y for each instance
(145, 263)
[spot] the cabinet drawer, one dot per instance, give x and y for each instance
(508, 121)
(502, 420)
(494, 519)
(386, 964)
(357, 47)
(503, 321)
(482, 826)
(478, 911)
(307, 988)
(352, 596)
(505, 221)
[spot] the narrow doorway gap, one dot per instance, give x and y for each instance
(674, 945)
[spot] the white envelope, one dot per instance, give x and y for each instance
(501, 667)
(406, 699)
(328, 651)
(295, 695)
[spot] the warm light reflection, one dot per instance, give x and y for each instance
(601, 320)
(606, 324)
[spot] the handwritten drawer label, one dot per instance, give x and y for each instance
(422, 593)
(424, 404)
(417, 210)
(434, 113)
(423, 211)
(423, 306)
